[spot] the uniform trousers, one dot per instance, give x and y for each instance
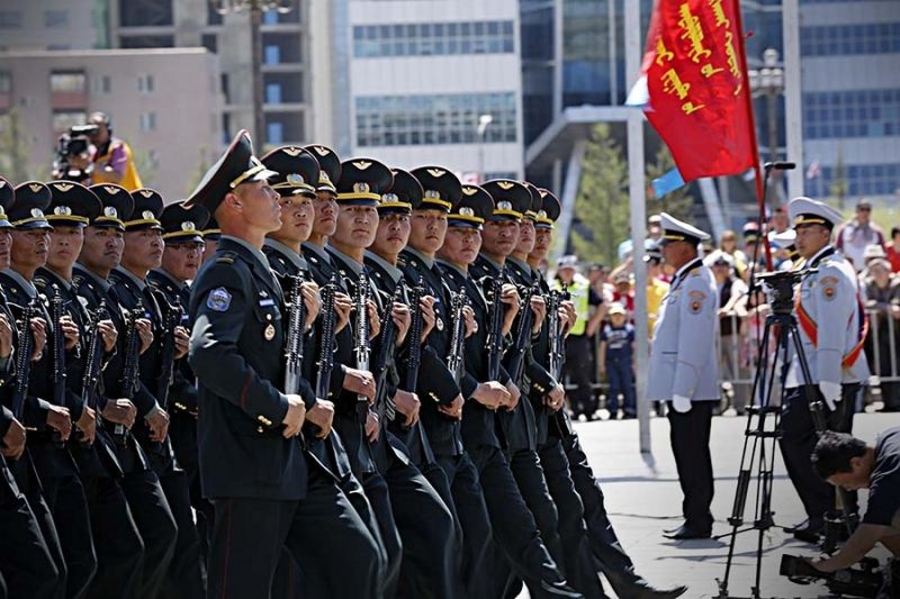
(186, 577)
(120, 550)
(578, 368)
(26, 563)
(157, 527)
(581, 569)
(798, 439)
(471, 511)
(66, 499)
(689, 436)
(515, 530)
(183, 432)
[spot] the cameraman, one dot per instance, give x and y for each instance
(113, 162)
(848, 462)
(73, 158)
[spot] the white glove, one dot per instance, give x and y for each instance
(831, 392)
(681, 403)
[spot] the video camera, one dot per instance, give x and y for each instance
(74, 143)
(779, 288)
(863, 581)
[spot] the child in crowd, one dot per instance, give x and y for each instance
(617, 361)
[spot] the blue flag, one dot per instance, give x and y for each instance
(668, 182)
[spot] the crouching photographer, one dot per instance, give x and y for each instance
(848, 462)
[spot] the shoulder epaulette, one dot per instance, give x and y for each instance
(226, 258)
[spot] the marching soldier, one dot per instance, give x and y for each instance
(253, 468)
(27, 564)
(184, 246)
(514, 525)
(560, 449)
(684, 370)
(441, 412)
(61, 486)
(425, 524)
(117, 541)
(100, 254)
(833, 328)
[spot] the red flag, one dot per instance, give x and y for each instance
(699, 95)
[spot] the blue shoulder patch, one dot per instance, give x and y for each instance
(218, 300)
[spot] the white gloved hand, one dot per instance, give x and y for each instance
(831, 392)
(681, 403)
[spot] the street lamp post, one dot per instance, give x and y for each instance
(483, 121)
(256, 9)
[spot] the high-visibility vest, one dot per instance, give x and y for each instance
(130, 179)
(579, 291)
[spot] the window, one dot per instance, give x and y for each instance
(273, 93)
(63, 120)
(102, 84)
(433, 39)
(67, 82)
(10, 19)
(855, 113)
(145, 84)
(861, 180)
(441, 118)
(147, 121)
(56, 18)
(274, 133)
(5, 82)
(272, 55)
(853, 39)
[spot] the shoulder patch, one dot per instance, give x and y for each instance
(218, 300)
(695, 303)
(829, 287)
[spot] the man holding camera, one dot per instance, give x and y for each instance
(113, 162)
(845, 461)
(832, 328)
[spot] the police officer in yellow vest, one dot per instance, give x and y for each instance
(113, 162)
(579, 344)
(833, 327)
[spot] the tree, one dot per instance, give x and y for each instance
(838, 187)
(601, 206)
(14, 163)
(677, 202)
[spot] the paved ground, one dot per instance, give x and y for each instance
(644, 498)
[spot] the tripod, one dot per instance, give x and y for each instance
(764, 423)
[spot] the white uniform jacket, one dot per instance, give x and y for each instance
(831, 322)
(683, 358)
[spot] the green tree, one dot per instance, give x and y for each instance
(601, 206)
(677, 202)
(14, 163)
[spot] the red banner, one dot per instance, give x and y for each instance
(699, 95)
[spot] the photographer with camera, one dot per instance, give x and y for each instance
(73, 155)
(113, 162)
(848, 462)
(832, 328)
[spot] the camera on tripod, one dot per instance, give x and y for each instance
(779, 288)
(72, 160)
(863, 581)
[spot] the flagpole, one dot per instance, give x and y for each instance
(748, 98)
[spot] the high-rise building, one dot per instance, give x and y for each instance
(431, 81)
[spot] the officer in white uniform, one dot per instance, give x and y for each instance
(684, 370)
(832, 328)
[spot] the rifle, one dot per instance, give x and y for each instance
(58, 339)
(167, 354)
(361, 339)
(94, 360)
(326, 356)
(516, 365)
(294, 344)
(416, 325)
(384, 405)
(495, 327)
(558, 356)
(23, 359)
(455, 356)
(131, 370)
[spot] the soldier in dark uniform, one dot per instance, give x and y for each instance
(26, 562)
(297, 172)
(441, 411)
(252, 468)
(425, 523)
(61, 486)
(514, 525)
(117, 541)
(143, 252)
(555, 434)
(100, 254)
(181, 260)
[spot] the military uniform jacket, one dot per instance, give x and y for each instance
(237, 352)
(100, 459)
(518, 425)
(49, 459)
(444, 433)
(683, 358)
(94, 290)
(479, 425)
(183, 390)
(831, 320)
